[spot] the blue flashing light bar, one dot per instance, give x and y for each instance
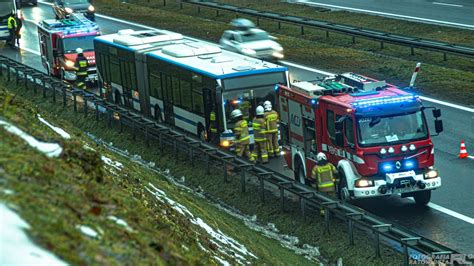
(362, 103)
(409, 164)
(277, 86)
(387, 167)
(314, 101)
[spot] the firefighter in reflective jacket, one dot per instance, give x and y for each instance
(213, 135)
(259, 133)
(241, 132)
(11, 25)
(81, 69)
(271, 122)
(324, 173)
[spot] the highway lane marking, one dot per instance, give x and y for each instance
(390, 14)
(288, 63)
(451, 213)
(446, 4)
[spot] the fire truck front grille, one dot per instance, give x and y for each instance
(91, 70)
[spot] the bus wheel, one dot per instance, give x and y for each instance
(342, 190)
(158, 114)
(299, 172)
(422, 197)
(202, 133)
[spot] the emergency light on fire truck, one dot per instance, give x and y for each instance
(375, 133)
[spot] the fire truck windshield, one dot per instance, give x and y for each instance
(377, 130)
(85, 42)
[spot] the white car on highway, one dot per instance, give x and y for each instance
(249, 40)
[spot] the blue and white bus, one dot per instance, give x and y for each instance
(6, 7)
(181, 80)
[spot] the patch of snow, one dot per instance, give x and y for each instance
(49, 149)
(86, 230)
(221, 261)
(110, 162)
(227, 245)
(15, 246)
(58, 130)
(120, 222)
(8, 192)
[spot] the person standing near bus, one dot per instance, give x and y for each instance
(213, 134)
(242, 136)
(19, 25)
(259, 133)
(11, 25)
(271, 121)
(81, 69)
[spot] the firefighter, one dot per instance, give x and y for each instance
(324, 173)
(19, 25)
(241, 132)
(81, 69)
(259, 133)
(213, 134)
(271, 122)
(11, 25)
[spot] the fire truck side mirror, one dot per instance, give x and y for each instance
(339, 138)
(438, 126)
(339, 125)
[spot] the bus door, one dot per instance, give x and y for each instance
(168, 99)
(208, 105)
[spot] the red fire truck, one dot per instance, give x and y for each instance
(375, 133)
(59, 40)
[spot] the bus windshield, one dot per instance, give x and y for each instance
(85, 42)
(377, 130)
(6, 7)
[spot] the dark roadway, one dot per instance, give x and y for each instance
(454, 228)
(451, 12)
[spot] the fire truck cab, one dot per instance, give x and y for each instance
(374, 133)
(59, 39)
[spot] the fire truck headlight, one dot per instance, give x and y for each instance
(364, 183)
(68, 10)
(432, 173)
(69, 63)
(225, 143)
(91, 8)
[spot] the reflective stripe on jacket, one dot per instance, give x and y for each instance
(11, 23)
(271, 121)
(241, 131)
(81, 66)
(258, 125)
(324, 175)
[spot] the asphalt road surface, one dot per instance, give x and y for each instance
(449, 219)
(449, 12)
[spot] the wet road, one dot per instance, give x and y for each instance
(448, 12)
(454, 227)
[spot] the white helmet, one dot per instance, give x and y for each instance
(260, 110)
(321, 157)
(236, 113)
(79, 51)
(267, 105)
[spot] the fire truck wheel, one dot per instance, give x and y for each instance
(299, 172)
(342, 190)
(422, 197)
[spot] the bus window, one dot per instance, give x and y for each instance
(198, 106)
(115, 70)
(175, 89)
(155, 85)
(185, 90)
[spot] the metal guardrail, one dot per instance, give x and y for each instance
(195, 149)
(382, 37)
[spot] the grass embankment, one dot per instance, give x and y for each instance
(55, 195)
(310, 231)
(450, 80)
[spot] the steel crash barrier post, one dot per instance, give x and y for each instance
(283, 186)
(328, 207)
(406, 242)
(377, 229)
(261, 179)
(351, 217)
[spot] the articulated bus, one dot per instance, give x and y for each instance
(6, 7)
(181, 80)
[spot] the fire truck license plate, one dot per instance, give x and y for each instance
(391, 177)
